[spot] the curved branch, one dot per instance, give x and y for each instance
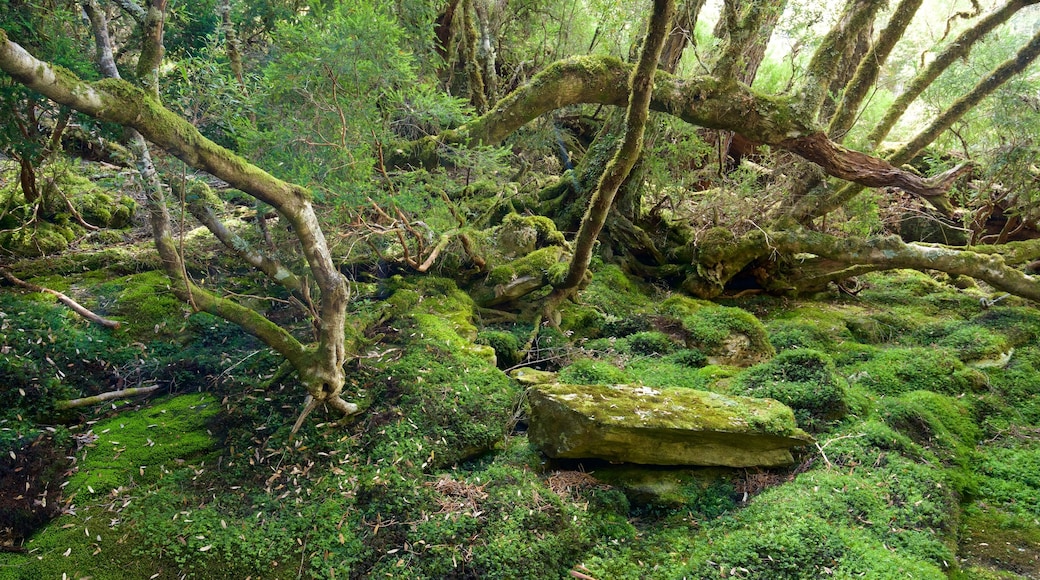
(891, 252)
(701, 101)
(202, 202)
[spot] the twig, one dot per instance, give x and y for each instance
(75, 306)
(109, 396)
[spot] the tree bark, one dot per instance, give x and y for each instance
(891, 252)
(701, 101)
(320, 367)
(831, 54)
(681, 36)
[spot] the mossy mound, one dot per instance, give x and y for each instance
(438, 398)
(900, 370)
(804, 380)
(142, 446)
(938, 423)
(47, 226)
(146, 305)
(728, 336)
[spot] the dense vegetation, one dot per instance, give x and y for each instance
(324, 248)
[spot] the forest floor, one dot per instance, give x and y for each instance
(923, 402)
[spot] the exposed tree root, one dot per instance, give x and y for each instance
(891, 253)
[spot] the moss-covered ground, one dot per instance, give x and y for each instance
(924, 406)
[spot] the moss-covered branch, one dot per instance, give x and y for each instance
(869, 69)
(617, 170)
(700, 101)
(857, 16)
(891, 253)
(64, 299)
(203, 204)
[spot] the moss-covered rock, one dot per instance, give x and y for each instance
(661, 426)
(727, 335)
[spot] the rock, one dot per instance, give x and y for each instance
(529, 376)
(663, 426)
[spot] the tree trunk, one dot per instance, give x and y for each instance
(869, 68)
(620, 165)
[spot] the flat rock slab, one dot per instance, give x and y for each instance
(661, 426)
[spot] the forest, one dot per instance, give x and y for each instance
(590, 289)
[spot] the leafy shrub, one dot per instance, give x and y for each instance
(650, 343)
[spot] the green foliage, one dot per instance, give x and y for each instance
(318, 111)
(804, 380)
(648, 343)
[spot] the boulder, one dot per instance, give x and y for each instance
(661, 426)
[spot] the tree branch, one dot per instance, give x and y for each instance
(75, 306)
(891, 253)
(109, 396)
(700, 101)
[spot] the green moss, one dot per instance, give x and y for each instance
(649, 343)
(535, 264)
(506, 345)
(937, 422)
(804, 380)
(592, 372)
(141, 446)
(439, 314)
(1001, 545)
(728, 335)
(146, 305)
(901, 370)
(520, 235)
(42, 239)
(1021, 325)
(613, 293)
